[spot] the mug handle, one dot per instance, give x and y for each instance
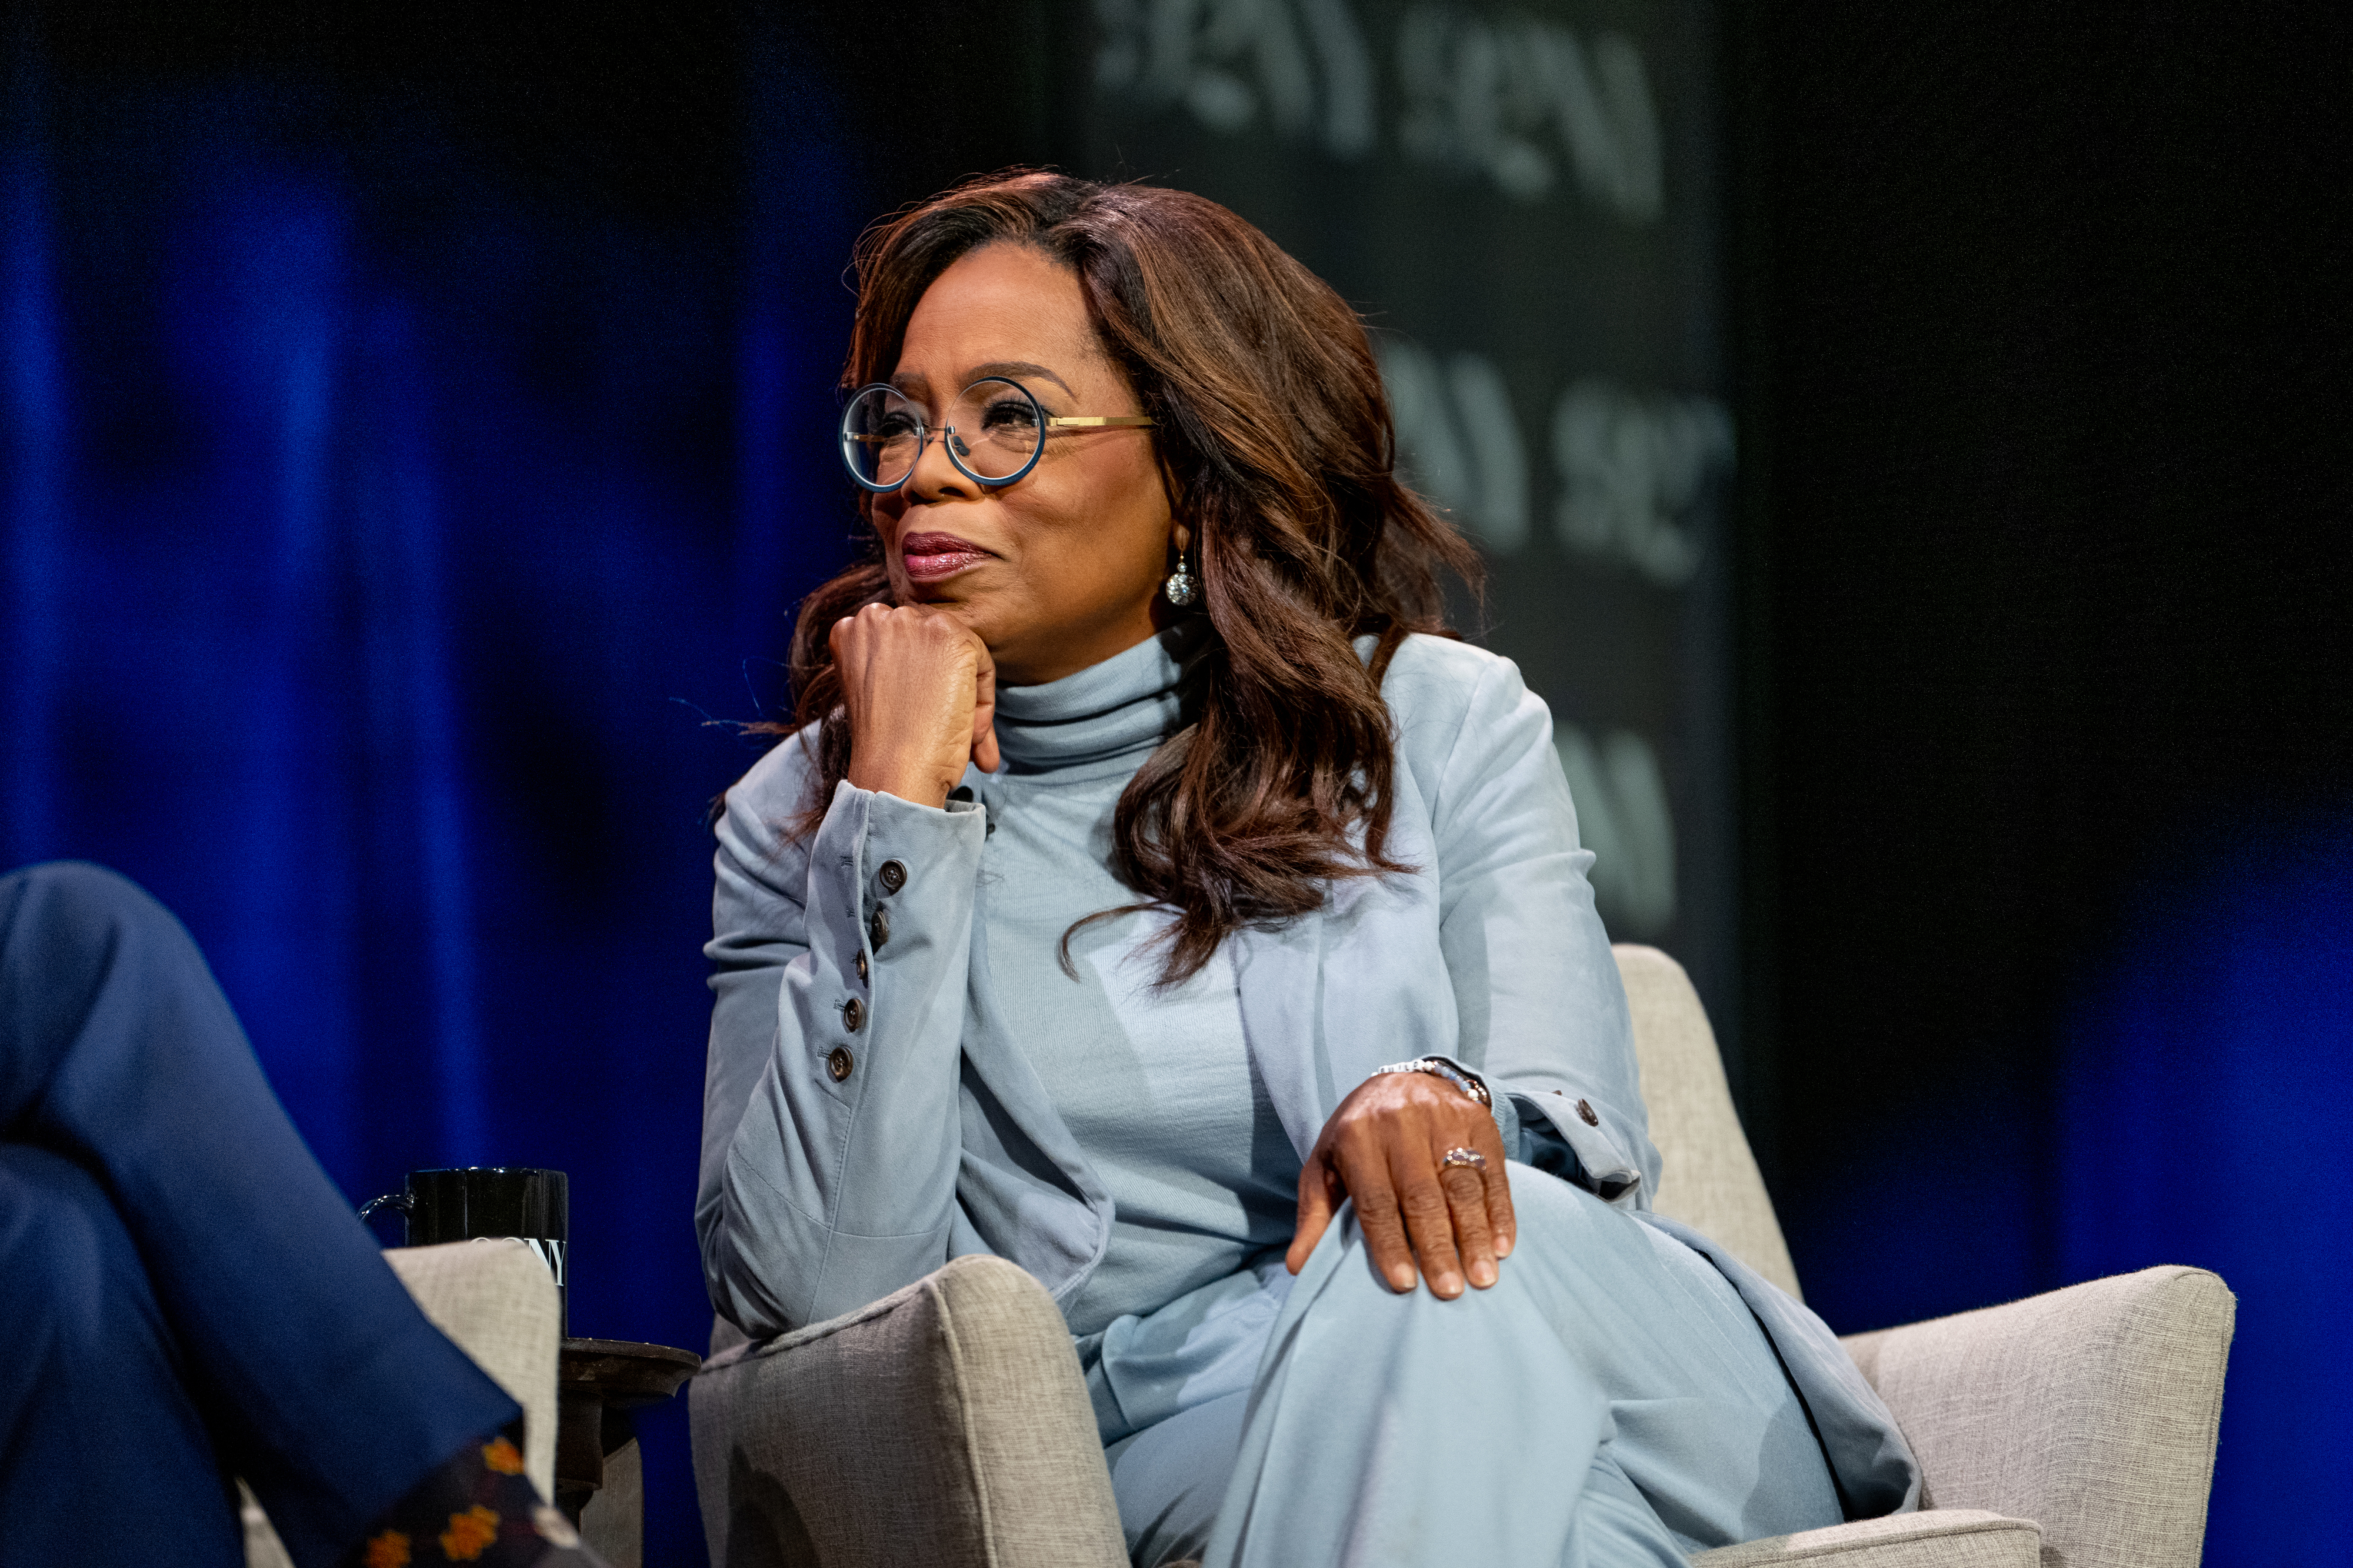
(400, 1201)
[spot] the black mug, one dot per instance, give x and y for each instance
(532, 1206)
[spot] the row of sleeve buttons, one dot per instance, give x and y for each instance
(839, 1062)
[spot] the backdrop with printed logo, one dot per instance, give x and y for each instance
(1524, 203)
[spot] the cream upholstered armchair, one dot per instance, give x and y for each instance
(497, 1302)
(948, 1424)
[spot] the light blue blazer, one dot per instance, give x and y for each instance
(847, 1150)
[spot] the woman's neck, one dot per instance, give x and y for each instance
(1125, 704)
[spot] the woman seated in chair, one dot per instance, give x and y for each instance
(1156, 895)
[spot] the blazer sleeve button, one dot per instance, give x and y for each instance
(853, 1015)
(878, 930)
(840, 1063)
(1585, 1114)
(861, 964)
(894, 875)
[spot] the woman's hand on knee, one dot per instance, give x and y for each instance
(1382, 1149)
(921, 690)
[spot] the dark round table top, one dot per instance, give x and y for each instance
(624, 1373)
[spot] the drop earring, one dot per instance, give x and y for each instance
(1180, 588)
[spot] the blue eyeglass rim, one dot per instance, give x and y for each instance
(862, 482)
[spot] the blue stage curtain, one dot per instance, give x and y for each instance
(2208, 1069)
(381, 531)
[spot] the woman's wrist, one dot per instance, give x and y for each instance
(918, 781)
(1470, 1083)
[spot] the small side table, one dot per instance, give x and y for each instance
(597, 1384)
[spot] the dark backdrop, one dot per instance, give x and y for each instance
(2050, 849)
(413, 432)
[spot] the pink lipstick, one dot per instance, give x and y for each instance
(935, 557)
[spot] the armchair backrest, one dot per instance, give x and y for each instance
(1710, 1181)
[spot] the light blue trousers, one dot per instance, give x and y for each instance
(1608, 1401)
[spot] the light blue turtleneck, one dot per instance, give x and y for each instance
(1155, 1085)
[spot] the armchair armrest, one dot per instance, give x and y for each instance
(946, 1423)
(497, 1303)
(2090, 1410)
(1941, 1537)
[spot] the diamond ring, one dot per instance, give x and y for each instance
(1469, 1159)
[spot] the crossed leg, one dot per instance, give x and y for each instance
(203, 1298)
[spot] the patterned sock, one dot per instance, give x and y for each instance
(477, 1507)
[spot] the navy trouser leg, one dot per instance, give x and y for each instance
(322, 1382)
(103, 1454)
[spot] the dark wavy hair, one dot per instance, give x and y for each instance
(1276, 443)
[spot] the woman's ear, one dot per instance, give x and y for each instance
(1181, 537)
(1170, 484)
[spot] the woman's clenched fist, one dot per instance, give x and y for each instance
(922, 693)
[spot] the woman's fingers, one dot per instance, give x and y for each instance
(1428, 1219)
(1366, 1173)
(1502, 1223)
(1466, 1203)
(1319, 1197)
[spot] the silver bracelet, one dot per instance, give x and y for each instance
(1437, 1069)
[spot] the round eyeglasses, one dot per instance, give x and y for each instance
(994, 433)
